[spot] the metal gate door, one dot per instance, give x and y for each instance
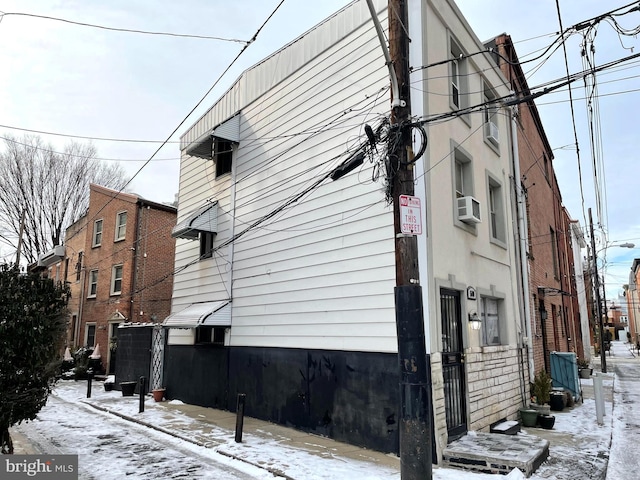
(453, 364)
(157, 357)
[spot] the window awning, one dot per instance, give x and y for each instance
(203, 147)
(204, 219)
(216, 314)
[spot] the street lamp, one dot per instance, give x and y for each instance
(596, 280)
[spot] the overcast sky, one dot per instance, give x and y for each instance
(75, 80)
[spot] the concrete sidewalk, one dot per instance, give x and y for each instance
(271, 446)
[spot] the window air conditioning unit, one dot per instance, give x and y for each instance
(493, 134)
(468, 210)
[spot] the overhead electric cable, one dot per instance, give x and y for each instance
(124, 30)
(191, 111)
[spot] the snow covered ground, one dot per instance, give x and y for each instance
(111, 447)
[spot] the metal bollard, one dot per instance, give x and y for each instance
(143, 387)
(240, 416)
(89, 381)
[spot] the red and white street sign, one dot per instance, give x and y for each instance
(410, 215)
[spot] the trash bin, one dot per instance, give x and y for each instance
(128, 388)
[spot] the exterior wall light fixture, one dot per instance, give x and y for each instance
(474, 321)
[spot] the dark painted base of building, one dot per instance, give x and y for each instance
(348, 396)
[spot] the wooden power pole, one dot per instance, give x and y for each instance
(415, 391)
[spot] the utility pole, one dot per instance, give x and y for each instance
(415, 391)
(596, 287)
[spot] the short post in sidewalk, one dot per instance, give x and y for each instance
(599, 397)
(143, 387)
(89, 382)
(240, 416)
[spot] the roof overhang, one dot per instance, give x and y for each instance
(216, 314)
(203, 219)
(53, 256)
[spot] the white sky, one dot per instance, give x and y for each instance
(74, 80)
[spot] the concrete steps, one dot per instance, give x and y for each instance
(496, 453)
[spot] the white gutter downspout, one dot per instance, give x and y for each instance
(522, 237)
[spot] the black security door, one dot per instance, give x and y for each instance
(453, 364)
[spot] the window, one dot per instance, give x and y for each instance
(210, 334)
(458, 71)
(462, 174)
(93, 283)
(490, 321)
(554, 251)
(496, 211)
(455, 83)
(90, 335)
(79, 266)
(116, 280)
(206, 244)
(97, 233)
(223, 152)
(491, 132)
(121, 225)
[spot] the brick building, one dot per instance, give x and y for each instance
(118, 262)
(555, 321)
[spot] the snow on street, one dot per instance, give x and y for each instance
(111, 448)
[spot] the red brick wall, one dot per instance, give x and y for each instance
(549, 252)
(146, 254)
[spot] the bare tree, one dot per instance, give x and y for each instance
(51, 188)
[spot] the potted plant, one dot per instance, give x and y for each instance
(529, 417)
(158, 394)
(584, 371)
(541, 387)
(557, 400)
(546, 421)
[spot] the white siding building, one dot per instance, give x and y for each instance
(285, 281)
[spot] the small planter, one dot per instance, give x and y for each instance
(556, 401)
(541, 409)
(158, 394)
(108, 386)
(585, 372)
(128, 388)
(529, 417)
(546, 421)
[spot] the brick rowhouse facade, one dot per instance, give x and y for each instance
(120, 257)
(549, 254)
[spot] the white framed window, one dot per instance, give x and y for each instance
(491, 130)
(97, 233)
(455, 83)
(90, 335)
(462, 184)
(93, 283)
(121, 226)
(458, 73)
(497, 222)
(116, 280)
(490, 318)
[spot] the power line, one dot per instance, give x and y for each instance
(124, 30)
(190, 112)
